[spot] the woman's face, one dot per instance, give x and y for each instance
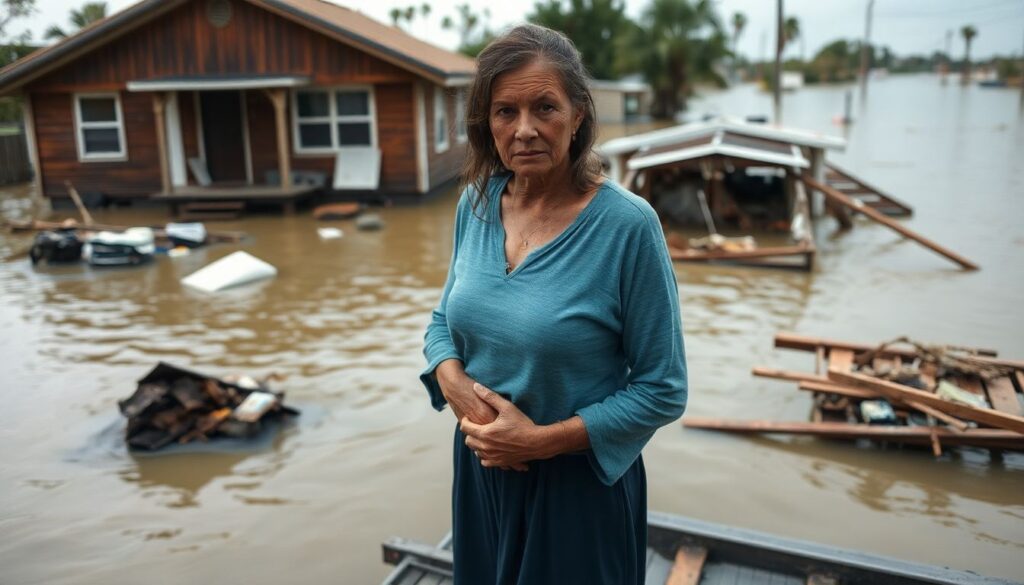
(532, 120)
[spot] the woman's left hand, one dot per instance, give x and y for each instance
(508, 442)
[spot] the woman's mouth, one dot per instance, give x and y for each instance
(528, 153)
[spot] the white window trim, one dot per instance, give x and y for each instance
(460, 116)
(440, 109)
(332, 117)
(83, 156)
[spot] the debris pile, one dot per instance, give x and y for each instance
(174, 404)
(900, 392)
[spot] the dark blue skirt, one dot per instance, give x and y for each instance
(554, 524)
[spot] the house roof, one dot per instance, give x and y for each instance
(343, 24)
(721, 143)
(733, 126)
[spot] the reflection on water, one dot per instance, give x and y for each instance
(342, 323)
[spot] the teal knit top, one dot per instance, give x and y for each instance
(588, 324)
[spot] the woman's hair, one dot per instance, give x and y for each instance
(517, 48)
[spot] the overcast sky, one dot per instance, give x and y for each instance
(907, 26)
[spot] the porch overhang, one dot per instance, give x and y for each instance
(208, 83)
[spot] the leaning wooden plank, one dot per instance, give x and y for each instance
(900, 392)
(789, 340)
(840, 430)
(837, 197)
(688, 566)
(1003, 396)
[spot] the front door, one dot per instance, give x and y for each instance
(223, 135)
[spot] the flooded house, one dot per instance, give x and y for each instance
(242, 100)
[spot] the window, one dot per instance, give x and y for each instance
(99, 127)
(460, 115)
(328, 119)
(440, 120)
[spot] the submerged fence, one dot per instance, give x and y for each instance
(15, 165)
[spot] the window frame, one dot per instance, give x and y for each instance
(461, 132)
(440, 118)
(332, 118)
(81, 126)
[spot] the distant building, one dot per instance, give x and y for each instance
(621, 101)
(168, 97)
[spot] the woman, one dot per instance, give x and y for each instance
(557, 342)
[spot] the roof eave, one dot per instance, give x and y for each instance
(28, 68)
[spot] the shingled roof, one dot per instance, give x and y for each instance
(343, 24)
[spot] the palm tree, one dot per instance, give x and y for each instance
(89, 13)
(396, 15)
(790, 30)
(739, 22)
(968, 32)
(675, 44)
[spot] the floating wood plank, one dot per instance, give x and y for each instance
(688, 566)
(838, 197)
(158, 230)
(789, 340)
(921, 435)
(1003, 396)
(900, 392)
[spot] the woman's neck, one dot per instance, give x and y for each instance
(540, 192)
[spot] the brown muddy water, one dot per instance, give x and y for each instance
(368, 458)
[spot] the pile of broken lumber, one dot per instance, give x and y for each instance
(900, 392)
(174, 404)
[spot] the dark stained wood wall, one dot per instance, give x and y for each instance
(58, 154)
(184, 43)
(447, 164)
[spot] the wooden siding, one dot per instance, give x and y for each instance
(254, 42)
(447, 164)
(58, 154)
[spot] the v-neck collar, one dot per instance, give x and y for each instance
(539, 250)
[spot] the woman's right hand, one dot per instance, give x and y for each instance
(457, 388)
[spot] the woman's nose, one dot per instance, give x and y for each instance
(525, 128)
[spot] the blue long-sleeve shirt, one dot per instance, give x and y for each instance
(588, 324)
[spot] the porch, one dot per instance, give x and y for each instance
(207, 141)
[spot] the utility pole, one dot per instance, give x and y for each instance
(777, 89)
(864, 48)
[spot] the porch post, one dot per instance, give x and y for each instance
(30, 141)
(284, 162)
(159, 105)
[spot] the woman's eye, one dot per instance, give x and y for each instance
(547, 108)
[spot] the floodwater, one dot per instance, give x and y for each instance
(368, 458)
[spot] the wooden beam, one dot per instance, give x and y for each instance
(838, 197)
(159, 106)
(279, 98)
(848, 176)
(840, 430)
(30, 141)
(790, 375)
(840, 360)
(789, 340)
(688, 566)
(903, 393)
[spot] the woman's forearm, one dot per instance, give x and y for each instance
(565, 436)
